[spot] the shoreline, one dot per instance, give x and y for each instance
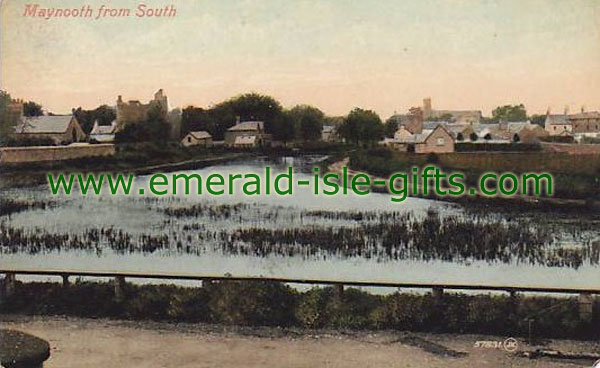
(532, 202)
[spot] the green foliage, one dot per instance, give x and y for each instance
(154, 129)
(390, 127)
(7, 119)
(509, 113)
(249, 106)
(275, 304)
(308, 121)
(538, 119)
(362, 126)
(252, 303)
(29, 141)
(497, 147)
(86, 118)
(31, 108)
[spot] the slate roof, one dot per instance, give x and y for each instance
(201, 134)
(44, 124)
(103, 129)
(247, 126)
(557, 120)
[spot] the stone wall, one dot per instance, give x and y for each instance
(17, 155)
(573, 149)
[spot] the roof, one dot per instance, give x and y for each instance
(557, 120)
(247, 125)
(244, 140)
(44, 124)
(517, 126)
(103, 129)
(200, 134)
(586, 115)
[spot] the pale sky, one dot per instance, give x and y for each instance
(384, 55)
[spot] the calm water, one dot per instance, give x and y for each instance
(191, 249)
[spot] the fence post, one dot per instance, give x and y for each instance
(437, 292)
(65, 280)
(586, 306)
(339, 291)
(120, 288)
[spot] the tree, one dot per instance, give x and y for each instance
(86, 118)
(250, 106)
(154, 129)
(538, 119)
(509, 113)
(307, 121)
(195, 119)
(7, 117)
(362, 126)
(283, 129)
(390, 127)
(31, 108)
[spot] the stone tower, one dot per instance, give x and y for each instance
(427, 108)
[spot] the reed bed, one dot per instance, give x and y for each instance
(382, 236)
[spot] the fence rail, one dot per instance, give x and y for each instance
(65, 274)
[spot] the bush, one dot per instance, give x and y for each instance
(251, 303)
(275, 304)
(28, 142)
(497, 147)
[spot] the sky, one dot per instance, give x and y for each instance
(384, 55)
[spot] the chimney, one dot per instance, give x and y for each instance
(237, 119)
(582, 109)
(566, 109)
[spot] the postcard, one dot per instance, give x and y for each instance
(299, 183)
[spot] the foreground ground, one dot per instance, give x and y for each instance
(102, 343)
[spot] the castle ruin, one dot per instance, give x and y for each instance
(134, 111)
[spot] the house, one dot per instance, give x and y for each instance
(245, 141)
(103, 133)
(557, 124)
(439, 140)
(329, 134)
(402, 134)
(250, 134)
(585, 123)
(413, 121)
(200, 138)
(525, 132)
(459, 132)
(60, 129)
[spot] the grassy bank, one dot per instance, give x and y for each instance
(272, 304)
(575, 176)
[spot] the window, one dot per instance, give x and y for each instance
(440, 141)
(189, 139)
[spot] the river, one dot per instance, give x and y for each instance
(149, 234)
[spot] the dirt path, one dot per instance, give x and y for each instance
(102, 343)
